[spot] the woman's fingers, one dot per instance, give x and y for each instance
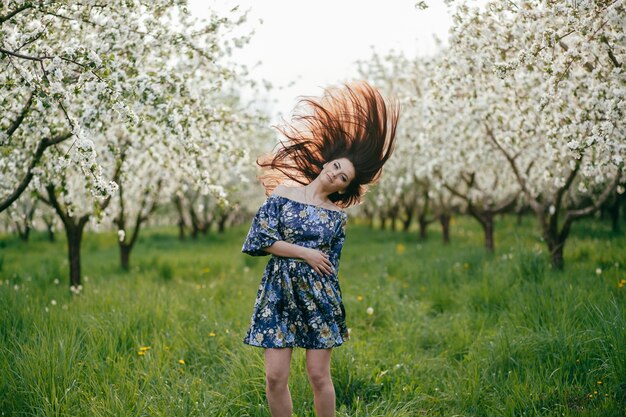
(322, 264)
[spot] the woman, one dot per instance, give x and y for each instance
(336, 146)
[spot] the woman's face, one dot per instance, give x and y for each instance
(337, 174)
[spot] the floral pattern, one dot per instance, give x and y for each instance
(295, 306)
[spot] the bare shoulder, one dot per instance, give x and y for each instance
(289, 192)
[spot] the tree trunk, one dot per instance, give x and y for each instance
(50, 228)
(393, 221)
(488, 229)
(195, 223)
(406, 222)
(206, 227)
(125, 255)
(221, 223)
(181, 229)
(556, 254)
(444, 219)
(383, 222)
(553, 238)
(181, 218)
(423, 224)
(614, 213)
(485, 218)
(23, 233)
(74, 233)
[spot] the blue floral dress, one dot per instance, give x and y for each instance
(295, 306)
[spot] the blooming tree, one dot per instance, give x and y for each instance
(133, 84)
(556, 112)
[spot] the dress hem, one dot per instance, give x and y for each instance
(293, 345)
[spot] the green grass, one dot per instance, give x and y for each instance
(454, 331)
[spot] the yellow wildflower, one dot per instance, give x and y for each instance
(400, 248)
(359, 298)
(181, 361)
(212, 334)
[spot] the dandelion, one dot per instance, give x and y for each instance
(400, 248)
(141, 353)
(53, 302)
(181, 361)
(370, 311)
(212, 334)
(359, 298)
(621, 283)
(56, 281)
(599, 382)
(145, 348)
(16, 287)
(466, 265)
(598, 271)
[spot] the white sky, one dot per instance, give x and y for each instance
(304, 46)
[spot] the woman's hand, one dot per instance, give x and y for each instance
(319, 261)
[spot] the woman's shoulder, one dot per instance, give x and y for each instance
(297, 194)
(283, 191)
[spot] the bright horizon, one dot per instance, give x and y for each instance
(306, 46)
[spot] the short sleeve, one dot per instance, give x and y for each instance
(264, 229)
(337, 242)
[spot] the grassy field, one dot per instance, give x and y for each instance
(454, 332)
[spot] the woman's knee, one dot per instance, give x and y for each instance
(319, 377)
(276, 380)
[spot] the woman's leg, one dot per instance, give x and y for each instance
(318, 370)
(277, 363)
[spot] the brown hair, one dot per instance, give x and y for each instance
(352, 122)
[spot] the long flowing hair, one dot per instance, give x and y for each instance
(352, 122)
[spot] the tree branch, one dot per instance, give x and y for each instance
(520, 179)
(41, 147)
(456, 192)
(506, 205)
(561, 191)
(575, 214)
(14, 12)
(52, 200)
(18, 55)
(18, 121)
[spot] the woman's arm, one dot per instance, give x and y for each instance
(318, 260)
